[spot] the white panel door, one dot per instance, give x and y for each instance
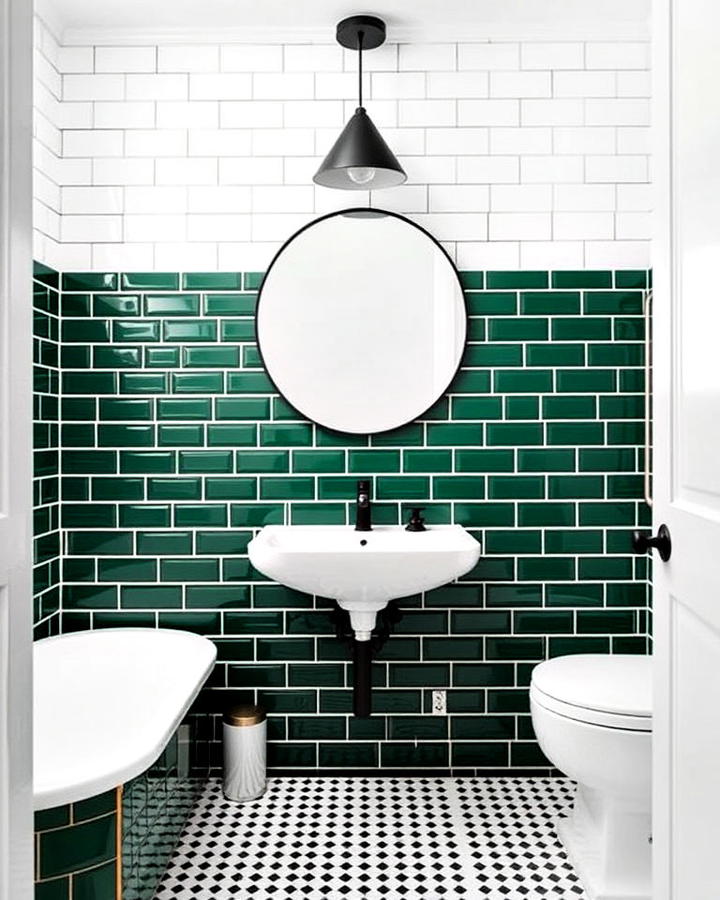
(15, 450)
(686, 831)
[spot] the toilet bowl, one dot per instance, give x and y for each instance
(592, 715)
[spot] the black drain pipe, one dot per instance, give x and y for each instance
(362, 679)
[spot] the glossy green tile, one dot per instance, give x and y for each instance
(502, 487)
(116, 305)
(546, 569)
(237, 330)
(150, 596)
(141, 383)
(586, 328)
(572, 381)
(230, 304)
(126, 436)
(605, 621)
(622, 407)
(484, 514)
(174, 488)
(522, 407)
(92, 383)
(162, 357)
(523, 381)
(631, 278)
(172, 304)
(514, 434)
(574, 594)
(476, 408)
(542, 514)
(286, 435)
(454, 434)
(89, 281)
(249, 383)
(136, 332)
(212, 281)
(510, 280)
(122, 410)
(575, 541)
(210, 357)
(605, 568)
(300, 488)
(252, 280)
(181, 435)
(190, 330)
(484, 460)
(147, 461)
(577, 487)
(582, 279)
(458, 487)
(318, 514)
(493, 355)
(472, 280)
(569, 407)
(615, 354)
(232, 436)
(554, 303)
(144, 516)
(555, 354)
(189, 570)
(470, 382)
(196, 382)
(255, 515)
(516, 541)
(402, 487)
(309, 461)
(164, 543)
(124, 569)
(423, 461)
(373, 461)
(572, 433)
(518, 329)
(513, 648)
(607, 459)
(183, 409)
(153, 281)
(491, 303)
(242, 408)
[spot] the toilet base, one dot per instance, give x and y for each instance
(608, 843)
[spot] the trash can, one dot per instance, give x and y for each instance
(244, 752)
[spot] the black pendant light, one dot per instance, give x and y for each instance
(360, 160)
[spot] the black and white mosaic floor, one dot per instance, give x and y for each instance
(376, 838)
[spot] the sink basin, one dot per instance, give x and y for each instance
(363, 570)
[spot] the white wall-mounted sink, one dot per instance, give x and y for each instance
(363, 570)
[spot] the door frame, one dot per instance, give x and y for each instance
(16, 371)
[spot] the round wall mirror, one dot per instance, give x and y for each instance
(361, 321)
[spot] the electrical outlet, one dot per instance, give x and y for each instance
(439, 703)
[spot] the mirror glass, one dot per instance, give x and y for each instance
(361, 321)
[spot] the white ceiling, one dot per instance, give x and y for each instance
(315, 19)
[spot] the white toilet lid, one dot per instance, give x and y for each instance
(619, 685)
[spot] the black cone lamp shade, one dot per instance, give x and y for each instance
(360, 160)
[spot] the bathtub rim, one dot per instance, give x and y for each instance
(75, 791)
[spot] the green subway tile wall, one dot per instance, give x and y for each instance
(46, 485)
(175, 448)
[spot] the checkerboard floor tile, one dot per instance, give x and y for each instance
(377, 838)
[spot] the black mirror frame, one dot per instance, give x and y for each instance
(368, 212)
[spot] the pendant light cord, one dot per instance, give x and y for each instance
(361, 35)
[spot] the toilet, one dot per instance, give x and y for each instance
(592, 715)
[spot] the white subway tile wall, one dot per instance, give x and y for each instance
(518, 153)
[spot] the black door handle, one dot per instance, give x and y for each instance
(642, 542)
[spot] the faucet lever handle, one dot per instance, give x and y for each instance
(417, 522)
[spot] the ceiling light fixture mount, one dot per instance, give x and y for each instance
(360, 159)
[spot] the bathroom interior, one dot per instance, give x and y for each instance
(358, 421)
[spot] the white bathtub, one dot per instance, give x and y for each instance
(106, 703)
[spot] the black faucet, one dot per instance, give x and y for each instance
(362, 509)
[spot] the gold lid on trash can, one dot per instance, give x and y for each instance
(244, 714)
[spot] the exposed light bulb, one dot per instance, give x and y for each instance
(361, 174)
